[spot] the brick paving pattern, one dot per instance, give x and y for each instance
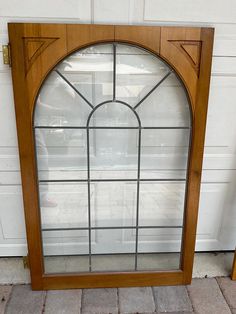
(203, 296)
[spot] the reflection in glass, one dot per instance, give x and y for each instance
(65, 251)
(61, 154)
(161, 203)
(161, 241)
(114, 114)
(90, 71)
(164, 153)
(113, 204)
(110, 250)
(137, 73)
(113, 159)
(166, 106)
(64, 205)
(59, 105)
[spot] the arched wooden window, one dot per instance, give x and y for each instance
(111, 123)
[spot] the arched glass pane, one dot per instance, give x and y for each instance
(166, 106)
(114, 114)
(90, 71)
(59, 105)
(137, 72)
(112, 130)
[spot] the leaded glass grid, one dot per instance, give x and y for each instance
(95, 108)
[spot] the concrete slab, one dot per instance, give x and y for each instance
(212, 264)
(13, 271)
(136, 300)
(206, 297)
(63, 301)
(170, 299)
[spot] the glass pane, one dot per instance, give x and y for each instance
(109, 247)
(59, 105)
(64, 205)
(114, 114)
(137, 73)
(61, 154)
(164, 153)
(113, 262)
(113, 154)
(113, 204)
(90, 71)
(159, 249)
(161, 204)
(166, 106)
(158, 261)
(65, 251)
(66, 264)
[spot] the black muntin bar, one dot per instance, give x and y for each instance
(137, 204)
(111, 180)
(89, 205)
(114, 71)
(111, 228)
(114, 127)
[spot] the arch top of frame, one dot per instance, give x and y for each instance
(44, 45)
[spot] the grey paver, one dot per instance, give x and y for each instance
(63, 301)
(5, 292)
(25, 301)
(176, 312)
(100, 301)
(228, 288)
(207, 298)
(170, 299)
(136, 300)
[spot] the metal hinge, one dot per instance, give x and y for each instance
(26, 261)
(6, 54)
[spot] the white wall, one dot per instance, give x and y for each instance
(217, 219)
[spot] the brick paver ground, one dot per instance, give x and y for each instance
(203, 296)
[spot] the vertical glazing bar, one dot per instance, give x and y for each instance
(89, 207)
(185, 195)
(114, 72)
(137, 205)
(38, 190)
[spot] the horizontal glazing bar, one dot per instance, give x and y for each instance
(112, 180)
(109, 254)
(112, 127)
(112, 228)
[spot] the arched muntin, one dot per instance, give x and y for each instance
(116, 101)
(30, 69)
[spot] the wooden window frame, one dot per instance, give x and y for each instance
(35, 50)
(233, 274)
